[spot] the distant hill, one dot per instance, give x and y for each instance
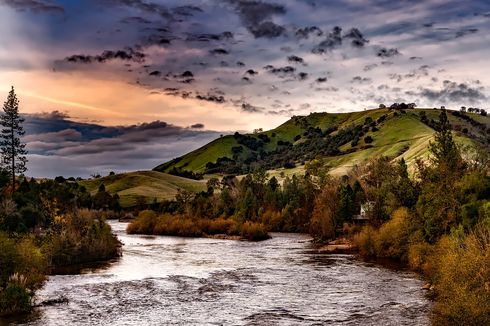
(343, 139)
(143, 184)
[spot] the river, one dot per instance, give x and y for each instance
(185, 281)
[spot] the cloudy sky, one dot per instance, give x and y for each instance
(135, 82)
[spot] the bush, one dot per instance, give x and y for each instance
(368, 139)
(144, 223)
(462, 282)
(392, 236)
(148, 222)
(82, 237)
(222, 226)
(16, 297)
(254, 231)
(177, 226)
(365, 241)
(272, 219)
(22, 270)
(419, 253)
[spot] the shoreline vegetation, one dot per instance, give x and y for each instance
(434, 220)
(79, 237)
(148, 222)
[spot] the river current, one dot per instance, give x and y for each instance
(195, 281)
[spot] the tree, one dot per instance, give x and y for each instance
(13, 149)
(444, 150)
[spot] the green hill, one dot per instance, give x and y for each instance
(147, 185)
(344, 139)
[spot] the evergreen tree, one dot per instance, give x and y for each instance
(444, 149)
(13, 150)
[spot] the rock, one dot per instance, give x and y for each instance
(427, 286)
(55, 301)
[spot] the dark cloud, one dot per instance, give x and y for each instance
(251, 72)
(356, 37)
(303, 76)
(267, 29)
(420, 72)
(211, 98)
(387, 53)
(155, 73)
(454, 92)
(256, 17)
(55, 137)
(128, 54)
(219, 52)
(186, 10)
(370, 66)
(333, 40)
(321, 80)
(149, 7)
(39, 6)
(59, 146)
(53, 115)
(282, 71)
(305, 32)
(254, 12)
(209, 37)
(295, 59)
(247, 107)
(187, 74)
(442, 34)
(361, 80)
(135, 20)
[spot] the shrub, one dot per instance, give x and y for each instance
(368, 139)
(254, 231)
(16, 297)
(82, 237)
(419, 252)
(222, 226)
(178, 226)
(462, 281)
(365, 241)
(392, 236)
(272, 219)
(22, 270)
(144, 223)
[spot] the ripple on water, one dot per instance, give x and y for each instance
(282, 281)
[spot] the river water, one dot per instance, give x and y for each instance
(182, 281)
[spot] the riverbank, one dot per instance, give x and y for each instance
(338, 246)
(74, 240)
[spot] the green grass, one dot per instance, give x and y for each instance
(148, 184)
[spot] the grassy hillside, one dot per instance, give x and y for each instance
(343, 139)
(397, 134)
(144, 184)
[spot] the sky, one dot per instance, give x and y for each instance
(120, 85)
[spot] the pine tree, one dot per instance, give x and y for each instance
(13, 149)
(444, 150)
